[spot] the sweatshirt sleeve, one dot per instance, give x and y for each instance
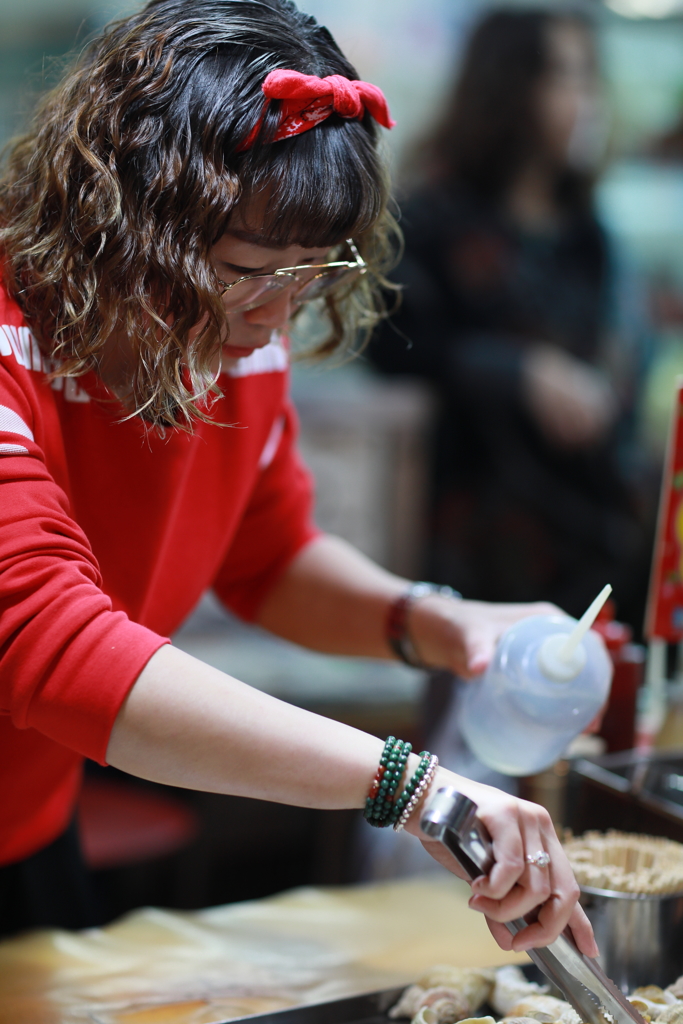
(67, 660)
(277, 524)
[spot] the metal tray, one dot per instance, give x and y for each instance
(628, 791)
(369, 1008)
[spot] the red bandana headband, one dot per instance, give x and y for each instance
(307, 100)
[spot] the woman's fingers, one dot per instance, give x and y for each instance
(545, 931)
(565, 886)
(522, 886)
(508, 851)
(582, 930)
(462, 635)
(562, 891)
(500, 933)
(551, 888)
(536, 879)
(523, 882)
(532, 889)
(517, 885)
(553, 917)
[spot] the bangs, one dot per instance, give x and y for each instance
(132, 169)
(323, 186)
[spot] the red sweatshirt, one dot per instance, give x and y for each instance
(108, 537)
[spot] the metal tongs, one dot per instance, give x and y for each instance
(451, 818)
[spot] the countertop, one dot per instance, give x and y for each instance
(310, 944)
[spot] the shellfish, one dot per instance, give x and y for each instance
(510, 987)
(546, 1009)
(449, 993)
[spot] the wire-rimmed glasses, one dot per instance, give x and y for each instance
(309, 283)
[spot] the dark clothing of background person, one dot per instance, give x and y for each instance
(514, 516)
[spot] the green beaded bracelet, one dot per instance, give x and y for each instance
(383, 803)
(382, 807)
(379, 806)
(392, 747)
(411, 785)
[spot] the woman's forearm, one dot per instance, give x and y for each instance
(333, 599)
(187, 724)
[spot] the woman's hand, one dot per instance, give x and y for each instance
(572, 402)
(462, 635)
(514, 887)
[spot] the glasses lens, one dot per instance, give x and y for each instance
(254, 291)
(325, 282)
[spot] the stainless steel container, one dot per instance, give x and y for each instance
(640, 937)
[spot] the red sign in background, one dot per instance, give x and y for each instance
(664, 616)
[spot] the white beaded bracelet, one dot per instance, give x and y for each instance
(420, 790)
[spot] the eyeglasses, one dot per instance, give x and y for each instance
(309, 283)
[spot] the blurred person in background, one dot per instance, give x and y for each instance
(515, 310)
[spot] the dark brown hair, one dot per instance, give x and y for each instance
(110, 204)
(490, 125)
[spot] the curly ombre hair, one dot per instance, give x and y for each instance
(110, 205)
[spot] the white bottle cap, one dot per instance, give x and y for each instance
(554, 665)
(561, 657)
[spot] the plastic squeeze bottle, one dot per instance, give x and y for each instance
(549, 677)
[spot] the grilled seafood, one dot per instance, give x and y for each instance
(546, 1010)
(510, 988)
(671, 1014)
(448, 995)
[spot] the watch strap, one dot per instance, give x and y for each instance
(397, 632)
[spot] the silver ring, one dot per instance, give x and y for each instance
(539, 860)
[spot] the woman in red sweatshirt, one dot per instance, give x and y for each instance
(194, 153)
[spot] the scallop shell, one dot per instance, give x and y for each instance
(654, 994)
(446, 1005)
(450, 993)
(569, 1015)
(431, 995)
(424, 1016)
(541, 1017)
(409, 1003)
(473, 984)
(647, 1007)
(517, 1020)
(640, 1004)
(511, 986)
(671, 1014)
(546, 1010)
(676, 989)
